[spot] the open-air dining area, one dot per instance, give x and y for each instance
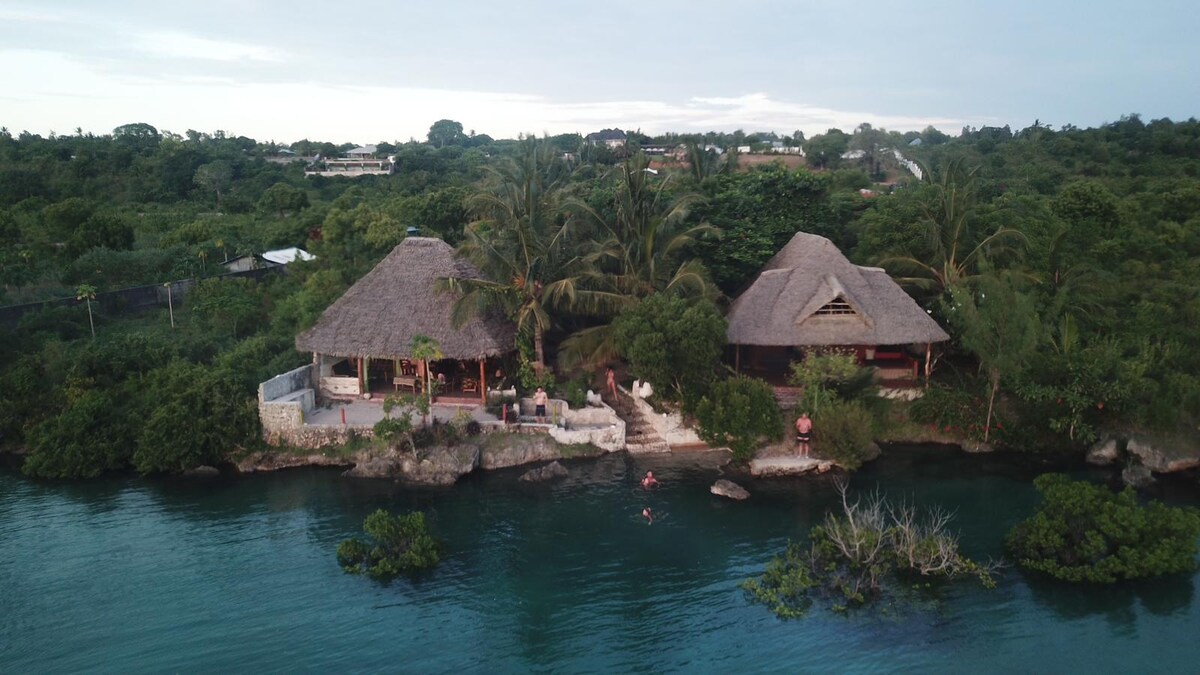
(394, 332)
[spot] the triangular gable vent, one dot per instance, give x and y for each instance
(836, 307)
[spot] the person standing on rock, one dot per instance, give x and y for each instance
(540, 399)
(610, 382)
(804, 427)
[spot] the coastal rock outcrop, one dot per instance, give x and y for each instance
(202, 471)
(1163, 456)
(1137, 476)
(788, 466)
(273, 461)
(435, 466)
(730, 489)
(551, 471)
(508, 450)
(1104, 452)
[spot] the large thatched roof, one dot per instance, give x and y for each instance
(379, 315)
(809, 294)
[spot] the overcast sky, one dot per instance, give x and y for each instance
(366, 71)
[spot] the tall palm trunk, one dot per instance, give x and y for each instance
(539, 350)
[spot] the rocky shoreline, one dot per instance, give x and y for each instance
(440, 465)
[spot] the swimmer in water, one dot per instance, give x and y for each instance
(648, 516)
(649, 481)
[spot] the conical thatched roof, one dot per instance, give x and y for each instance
(809, 294)
(378, 316)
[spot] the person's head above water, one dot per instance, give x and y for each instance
(649, 474)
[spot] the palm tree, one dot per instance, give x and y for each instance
(87, 293)
(705, 163)
(525, 242)
(956, 250)
(641, 252)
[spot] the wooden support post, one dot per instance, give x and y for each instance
(359, 365)
(366, 375)
(928, 363)
(737, 359)
(482, 382)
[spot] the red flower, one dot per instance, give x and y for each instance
(999, 426)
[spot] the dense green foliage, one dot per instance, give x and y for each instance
(1062, 261)
(868, 551)
(739, 413)
(397, 545)
(673, 344)
(1105, 237)
(1088, 533)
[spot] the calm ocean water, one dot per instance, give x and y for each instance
(238, 575)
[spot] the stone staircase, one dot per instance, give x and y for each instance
(640, 436)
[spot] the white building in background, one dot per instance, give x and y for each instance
(360, 161)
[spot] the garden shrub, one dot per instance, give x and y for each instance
(842, 431)
(739, 413)
(1088, 533)
(951, 410)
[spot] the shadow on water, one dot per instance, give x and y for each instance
(1118, 604)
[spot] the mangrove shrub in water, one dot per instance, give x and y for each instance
(859, 555)
(1088, 533)
(398, 544)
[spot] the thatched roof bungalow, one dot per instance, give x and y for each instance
(367, 333)
(809, 295)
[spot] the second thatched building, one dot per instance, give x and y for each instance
(809, 296)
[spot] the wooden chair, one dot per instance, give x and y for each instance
(469, 385)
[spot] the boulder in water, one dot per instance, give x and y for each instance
(203, 471)
(551, 471)
(730, 489)
(1137, 476)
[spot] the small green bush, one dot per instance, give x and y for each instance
(739, 413)
(842, 432)
(398, 544)
(574, 392)
(1088, 533)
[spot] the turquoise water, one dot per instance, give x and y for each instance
(238, 575)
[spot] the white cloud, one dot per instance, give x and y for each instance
(58, 92)
(175, 45)
(30, 15)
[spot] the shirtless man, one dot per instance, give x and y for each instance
(610, 383)
(649, 481)
(540, 399)
(646, 513)
(803, 434)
